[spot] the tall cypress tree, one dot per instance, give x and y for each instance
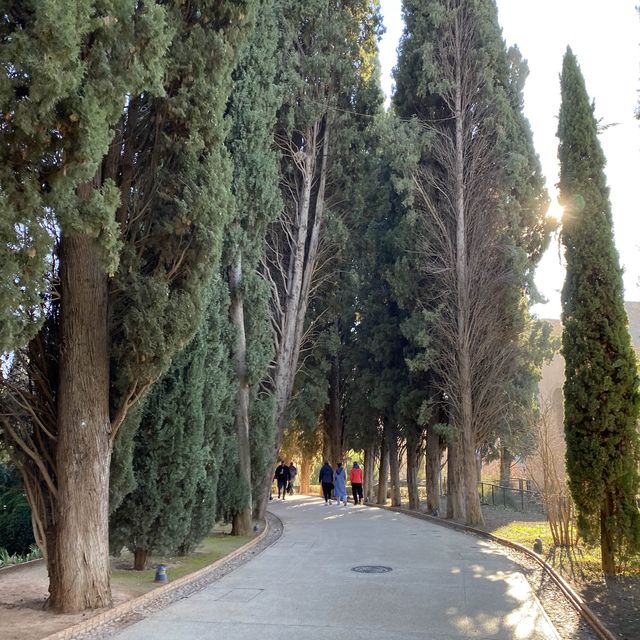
(253, 106)
(601, 381)
(477, 217)
(121, 160)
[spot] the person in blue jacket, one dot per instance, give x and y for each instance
(326, 480)
(340, 484)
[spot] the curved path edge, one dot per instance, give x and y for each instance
(570, 594)
(192, 582)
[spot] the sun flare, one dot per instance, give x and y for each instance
(555, 210)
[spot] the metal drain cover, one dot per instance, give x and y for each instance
(371, 569)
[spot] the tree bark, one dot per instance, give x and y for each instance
(394, 466)
(79, 569)
(384, 469)
(288, 322)
(606, 536)
(506, 460)
(140, 557)
(414, 455)
(333, 424)
(369, 469)
(242, 521)
(433, 461)
(305, 476)
(455, 482)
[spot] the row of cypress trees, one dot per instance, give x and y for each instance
(211, 229)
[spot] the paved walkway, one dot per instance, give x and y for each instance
(443, 585)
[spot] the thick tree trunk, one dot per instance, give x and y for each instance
(384, 469)
(606, 536)
(242, 521)
(369, 471)
(394, 466)
(140, 557)
(433, 461)
(79, 571)
(413, 464)
(506, 460)
(305, 476)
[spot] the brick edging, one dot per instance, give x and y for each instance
(574, 598)
(121, 610)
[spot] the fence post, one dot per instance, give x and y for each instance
(493, 497)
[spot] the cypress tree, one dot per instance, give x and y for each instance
(601, 395)
(253, 106)
(179, 445)
(476, 226)
(120, 155)
(328, 78)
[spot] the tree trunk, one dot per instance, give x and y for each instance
(333, 425)
(606, 536)
(394, 464)
(288, 323)
(79, 570)
(455, 482)
(414, 455)
(384, 469)
(473, 509)
(506, 460)
(369, 470)
(305, 476)
(242, 521)
(140, 557)
(434, 456)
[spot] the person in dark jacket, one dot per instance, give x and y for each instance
(282, 476)
(326, 480)
(293, 472)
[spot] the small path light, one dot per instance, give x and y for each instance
(161, 574)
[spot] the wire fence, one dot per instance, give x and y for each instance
(510, 497)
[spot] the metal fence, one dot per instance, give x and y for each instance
(510, 497)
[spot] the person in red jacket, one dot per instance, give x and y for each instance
(356, 483)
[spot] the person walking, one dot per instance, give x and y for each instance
(340, 484)
(282, 477)
(356, 483)
(293, 472)
(326, 480)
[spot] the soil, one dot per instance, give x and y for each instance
(23, 593)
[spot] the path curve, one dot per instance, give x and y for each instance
(443, 585)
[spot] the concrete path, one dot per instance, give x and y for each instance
(442, 585)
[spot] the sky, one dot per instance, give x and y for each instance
(605, 37)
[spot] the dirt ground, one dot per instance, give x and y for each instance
(23, 592)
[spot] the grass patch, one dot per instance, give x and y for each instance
(208, 551)
(582, 562)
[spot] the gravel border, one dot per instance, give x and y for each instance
(104, 625)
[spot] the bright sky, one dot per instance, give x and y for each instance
(605, 37)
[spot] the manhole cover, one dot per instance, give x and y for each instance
(371, 569)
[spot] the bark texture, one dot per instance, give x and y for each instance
(79, 569)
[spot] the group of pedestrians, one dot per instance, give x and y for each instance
(285, 476)
(336, 481)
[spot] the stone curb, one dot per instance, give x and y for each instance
(148, 598)
(576, 601)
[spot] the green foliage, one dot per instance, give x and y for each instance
(179, 445)
(16, 533)
(601, 384)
